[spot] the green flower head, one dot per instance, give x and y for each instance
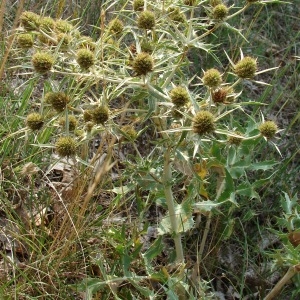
(115, 26)
(246, 67)
(203, 122)
(42, 62)
(138, 5)
(268, 129)
(85, 58)
(212, 78)
(179, 96)
(220, 12)
(34, 121)
(65, 146)
(146, 20)
(100, 114)
(29, 20)
(58, 100)
(72, 122)
(25, 40)
(143, 63)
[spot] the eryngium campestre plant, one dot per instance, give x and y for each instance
(268, 129)
(34, 121)
(212, 78)
(179, 96)
(130, 132)
(233, 140)
(63, 26)
(246, 67)
(146, 20)
(214, 3)
(220, 95)
(143, 64)
(203, 122)
(58, 100)
(25, 40)
(85, 58)
(42, 62)
(65, 146)
(47, 24)
(100, 114)
(189, 2)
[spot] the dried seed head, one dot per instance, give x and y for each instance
(58, 100)
(246, 67)
(29, 20)
(34, 121)
(268, 129)
(233, 140)
(65, 146)
(115, 26)
(220, 95)
(130, 132)
(179, 96)
(42, 62)
(212, 78)
(85, 58)
(143, 63)
(220, 12)
(138, 5)
(100, 114)
(25, 40)
(146, 20)
(203, 122)
(72, 122)
(63, 26)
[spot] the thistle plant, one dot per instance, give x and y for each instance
(197, 163)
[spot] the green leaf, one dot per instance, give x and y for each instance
(265, 165)
(183, 214)
(205, 206)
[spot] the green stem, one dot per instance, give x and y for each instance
(167, 177)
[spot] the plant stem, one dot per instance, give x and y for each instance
(289, 274)
(167, 177)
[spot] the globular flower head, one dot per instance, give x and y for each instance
(146, 47)
(71, 120)
(268, 129)
(212, 78)
(138, 5)
(203, 122)
(29, 20)
(246, 67)
(179, 96)
(88, 115)
(89, 126)
(143, 63)
(176, 15)
(63, 26)
(42, 62)
(58, 100)
(233, 140)
(214, 3)
(130, 132)
(100, 114)
(25, 40)
(115, 26)
(85, 58)
(146, 20)
(64, 40)
(87, 42)
(34, 121)
(47, 24)
(220, 12)
(65, 146)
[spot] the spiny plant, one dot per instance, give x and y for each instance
(136, 76)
